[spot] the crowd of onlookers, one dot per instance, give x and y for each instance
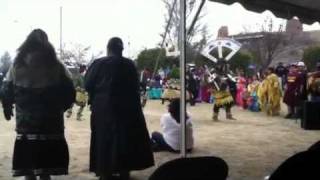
(262, 91)
(293, 84)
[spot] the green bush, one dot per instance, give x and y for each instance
(311, 56)
(175, 73)
(148, 58)
(241, 61)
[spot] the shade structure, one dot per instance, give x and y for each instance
(308, 11)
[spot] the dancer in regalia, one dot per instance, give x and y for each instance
(273, 93)
(223, 98)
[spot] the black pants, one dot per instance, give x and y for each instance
(159, 144)
(227, 107)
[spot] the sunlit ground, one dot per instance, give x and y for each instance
(253, 146)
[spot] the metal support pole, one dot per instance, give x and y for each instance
(183, 76)
(61, 51)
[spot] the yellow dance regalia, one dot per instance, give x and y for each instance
(273, 92)
(262, 95)
(222, 98)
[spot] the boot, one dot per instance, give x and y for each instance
(229, 116)
(45, 177)
(215, 117)
(30, 177)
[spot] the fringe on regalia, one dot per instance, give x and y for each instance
(222, 98)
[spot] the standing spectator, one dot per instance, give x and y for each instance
(292, 92)
(303, 88)
(281, 71)
(119, 137)
(253, 104)
(241, 88)
(41, 89)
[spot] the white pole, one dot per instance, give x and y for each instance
(61, 51)
(183, 76)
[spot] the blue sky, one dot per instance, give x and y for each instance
(93, 22)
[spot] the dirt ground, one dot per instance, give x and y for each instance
(253, 145)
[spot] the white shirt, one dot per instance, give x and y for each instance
(172, 132)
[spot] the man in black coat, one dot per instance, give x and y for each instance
(119, 136)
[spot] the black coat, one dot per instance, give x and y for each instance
(119, 136)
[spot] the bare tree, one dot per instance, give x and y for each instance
(271, 41)
(77, 53)
(197, 38)
(94, 56)
(267, 43)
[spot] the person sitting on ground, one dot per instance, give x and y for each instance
(171, 129)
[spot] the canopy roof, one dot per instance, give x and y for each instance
(308, 11)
